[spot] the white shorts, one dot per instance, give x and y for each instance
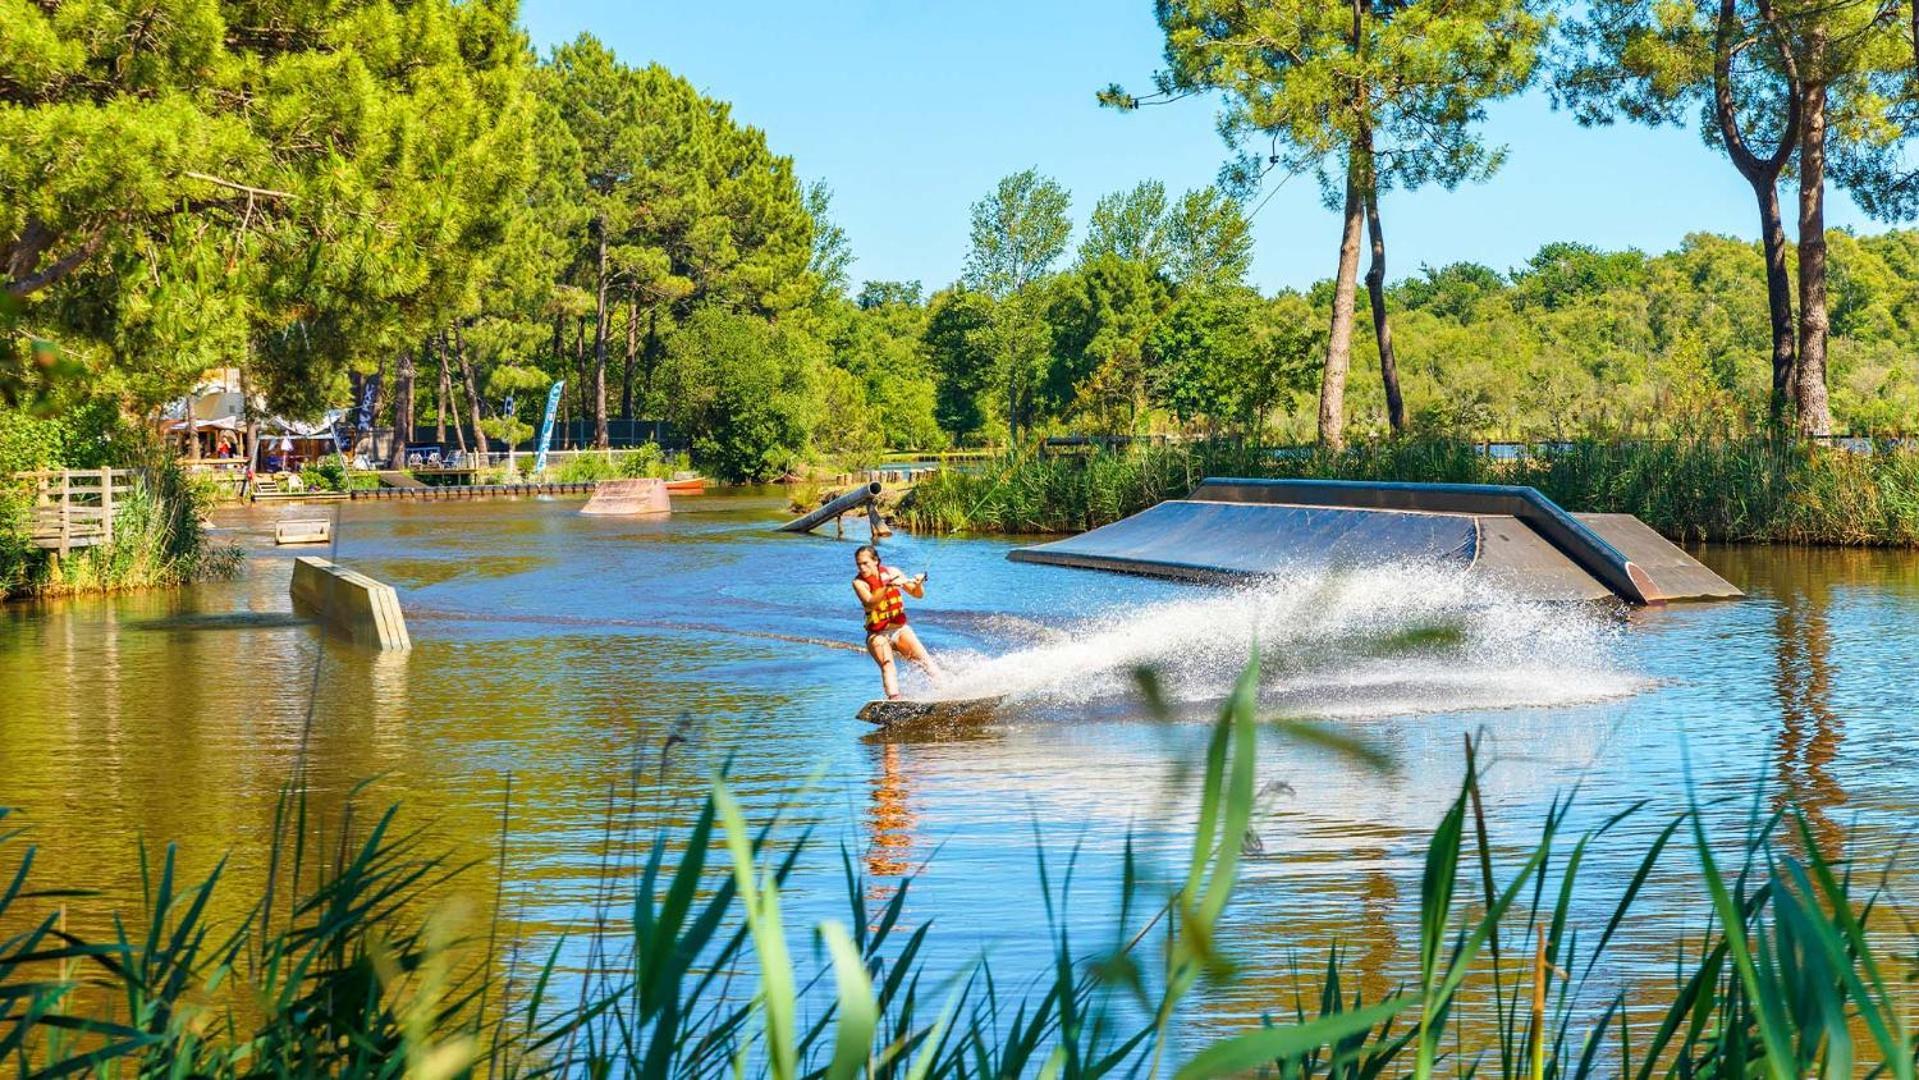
(892, 636)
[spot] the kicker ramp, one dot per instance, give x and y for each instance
(1514, 535)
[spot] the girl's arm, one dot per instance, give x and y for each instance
(864, 591)
(914, 586)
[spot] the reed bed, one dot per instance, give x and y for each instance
(1703, 488)
(693, 969)
(159, 540)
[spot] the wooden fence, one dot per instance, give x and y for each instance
(74, 508)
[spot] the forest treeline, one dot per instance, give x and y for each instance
(318, 193)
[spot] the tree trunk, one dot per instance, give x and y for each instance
(1815, 415)
(632, 350)
(356, 388)
(441, 391)
(600, 439)
(402, 408)
(1339, 343)
(1763, 175)
(472, 389)
(579, 384)
(253, 433)
(447, 402)
(382, 391)
(1376, 295)
(650, 358)
(1785, 359)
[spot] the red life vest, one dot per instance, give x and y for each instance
(888, 610)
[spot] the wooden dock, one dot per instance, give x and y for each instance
(478, 491)
(75, 508)
(271, 487)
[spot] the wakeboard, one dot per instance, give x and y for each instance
(906, 711)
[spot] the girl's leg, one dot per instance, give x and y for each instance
(910, 647)
(882, 653)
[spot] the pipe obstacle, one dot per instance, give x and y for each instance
(847, 503)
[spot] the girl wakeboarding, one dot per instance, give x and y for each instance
(879, 588)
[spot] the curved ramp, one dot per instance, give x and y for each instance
(1514, 535)
(1193, 539)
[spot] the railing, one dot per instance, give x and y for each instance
(75, 508)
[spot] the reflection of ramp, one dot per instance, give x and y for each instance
(1513, 535)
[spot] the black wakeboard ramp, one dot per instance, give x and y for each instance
(1230, 528)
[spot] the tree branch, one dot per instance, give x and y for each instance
(268, 193)
(32, 283)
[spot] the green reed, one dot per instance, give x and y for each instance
(159, 540)
(343, 968)
(1747, 489)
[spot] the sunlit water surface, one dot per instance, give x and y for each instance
(610, 667)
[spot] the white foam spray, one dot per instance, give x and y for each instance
(1383, 640)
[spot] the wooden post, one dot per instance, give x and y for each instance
(106, 503)
(66, 515)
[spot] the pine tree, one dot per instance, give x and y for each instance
(1370, 95)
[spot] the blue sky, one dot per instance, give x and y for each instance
(912, 109)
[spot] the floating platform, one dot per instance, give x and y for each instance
(313, 531)
(1230, 528)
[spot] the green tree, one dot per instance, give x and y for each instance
(1832, 55)
(957, 320)
(1101, 315)
(832, 259)
(1131, 225)
(1018, 232)
(747, 393)
(1653, 62)
(875, 294)
(294, 189)
(1227, 357)
(1369, 95)
(1210, 240)
(882, 345)
(685, 208)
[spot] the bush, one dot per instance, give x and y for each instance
(585, 468)
(1754, 489)
(745, 390)
(327, 474)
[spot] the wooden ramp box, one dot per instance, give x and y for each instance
(317, 531)
(350, 604)
(644, 496)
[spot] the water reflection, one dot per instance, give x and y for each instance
(890, 821)
(1810, 732)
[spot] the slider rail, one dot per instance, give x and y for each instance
(852, 500)
(1584, 547)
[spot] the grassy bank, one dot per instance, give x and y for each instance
(1718, 489)
(158, 541)
(693, 970)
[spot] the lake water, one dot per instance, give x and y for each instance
(564, 651)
